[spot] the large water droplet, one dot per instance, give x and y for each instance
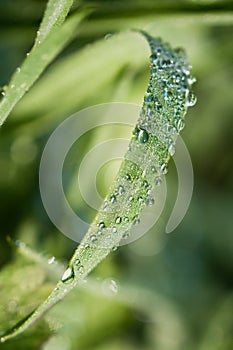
(68, 275)
(143, 136)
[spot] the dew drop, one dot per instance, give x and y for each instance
(191, 99)
(108, 36)
(121, 189)
(150, 201)
(126, 219)
(153, 169)
(171, 150)
(145, 184)
(192, 80)
(77, 262)
(81, 269)
(68, 275)
(114, 229)
(113, 286)
(18, 69)
(180, 124)
(171, 129)
(51, 260)
(110, 286)
(93, 238)
(128, 177)
(118, 220)
(158, 107)
(140, 200)
(113, 198)
(158, 181)
(153, 58)
(148, 98)
(167, 95)
(163, 168)
(101, 225)
(125, 235)
(143, 136)
(136, 220)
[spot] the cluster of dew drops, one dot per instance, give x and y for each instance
(168, 96)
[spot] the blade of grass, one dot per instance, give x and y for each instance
(55, 14)
(36, 62)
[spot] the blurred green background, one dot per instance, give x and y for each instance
(162, 292)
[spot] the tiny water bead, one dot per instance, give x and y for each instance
(150, 201)
(81, 269)
(171, 150)
(148, 98)
(101, 225)
(191, 99)
(77, 262)
(140, 200)
(113, 198)
(125, 235)
(121, 189)
(163, 168)
(136, 220)
(128, 177)
(153, 169)
(93, 238)
(158, 181)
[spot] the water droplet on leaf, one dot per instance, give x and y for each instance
(68, 275)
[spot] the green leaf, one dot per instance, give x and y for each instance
(35, 63)
(168, 96)
(55, 14)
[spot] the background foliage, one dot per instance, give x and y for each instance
(163, 292)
